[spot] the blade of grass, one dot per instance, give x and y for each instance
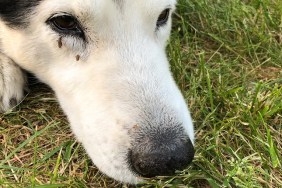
(38, 133)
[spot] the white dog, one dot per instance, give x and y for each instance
(106, 62)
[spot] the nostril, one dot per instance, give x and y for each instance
(161, 162)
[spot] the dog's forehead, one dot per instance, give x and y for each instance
(108, 5)
(17, 12)
(97, 11)
(121, 3)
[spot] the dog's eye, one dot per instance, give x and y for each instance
(163, 17)
(65, 24)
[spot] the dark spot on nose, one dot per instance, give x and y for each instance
(161, 161)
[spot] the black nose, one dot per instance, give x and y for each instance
(161, 160)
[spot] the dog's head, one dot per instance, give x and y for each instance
(106, 62)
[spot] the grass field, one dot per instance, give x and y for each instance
(226, 56)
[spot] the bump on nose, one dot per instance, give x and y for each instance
(161, 161)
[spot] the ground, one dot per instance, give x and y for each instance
(226, 56)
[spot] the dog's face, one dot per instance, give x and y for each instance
(106, 62)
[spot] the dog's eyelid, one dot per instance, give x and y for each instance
(54, 15)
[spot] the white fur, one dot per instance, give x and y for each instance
(123, 71)
(12, 82)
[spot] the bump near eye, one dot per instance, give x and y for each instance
(163, 17)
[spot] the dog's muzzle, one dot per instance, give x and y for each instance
(160, 154)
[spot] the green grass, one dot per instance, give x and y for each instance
(226, 56)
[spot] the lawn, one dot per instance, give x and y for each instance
(226, 56)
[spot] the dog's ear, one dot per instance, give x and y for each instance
(15, 12)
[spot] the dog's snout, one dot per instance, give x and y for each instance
(161, 161)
